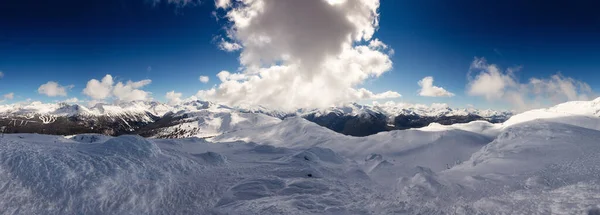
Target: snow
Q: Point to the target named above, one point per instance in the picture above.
(581, 109)
(136, 109)
(479, 127)
(541, 162)
(203, 119)
(89, 138)
(435, 110)
(352, 109)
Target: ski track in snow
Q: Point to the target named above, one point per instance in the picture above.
(539, 162)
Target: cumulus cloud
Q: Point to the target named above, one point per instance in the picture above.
(173, 98)
(494, 84)
(53, 89)
(1, 74)
(106, 88)
(204, 79)
(130, 91)
(427, 89)
(9, 96)
(297, 54)
(490, 82)
(99, 90)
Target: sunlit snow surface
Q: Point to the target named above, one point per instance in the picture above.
(538, 166)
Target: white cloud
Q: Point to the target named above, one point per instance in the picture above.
(204, 79)
(496, 85)
(376, 43)
(1, 74)
(222, 4)
(427, 89)
(298, 54)
(129, 91)
(9, 96)
(99, 90)
(490, 82)
(391, 52)
(558, 88)
(365, 94)
(53, 89)
(173, 98)
(229, 46)
(106, 88)
(227, 76)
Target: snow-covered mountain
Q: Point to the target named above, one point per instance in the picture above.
(363, 120)
(100, 109)
(65, 119)
(538, 162)
(203, 119)
(391, 110)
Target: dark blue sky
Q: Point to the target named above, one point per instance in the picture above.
(72, 42)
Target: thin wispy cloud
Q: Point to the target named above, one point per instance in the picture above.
(9, 96)
(204, 79)
(229, 46)
(72, 100)
(490, 82)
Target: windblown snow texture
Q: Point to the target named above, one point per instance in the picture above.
(539, 162)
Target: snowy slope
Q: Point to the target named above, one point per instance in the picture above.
(205, 119)
(538, 166)
(541, 162)
(480, 127)
(411, 148)
(574, 109)
(577, 113)
(131, 175)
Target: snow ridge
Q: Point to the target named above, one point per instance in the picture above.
(542, 162)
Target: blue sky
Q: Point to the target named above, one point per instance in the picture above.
(71, 42)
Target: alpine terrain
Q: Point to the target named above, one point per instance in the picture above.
(537, 162)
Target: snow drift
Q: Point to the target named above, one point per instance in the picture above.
(540, 162)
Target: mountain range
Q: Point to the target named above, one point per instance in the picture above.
(541, 161)
(206, 119)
